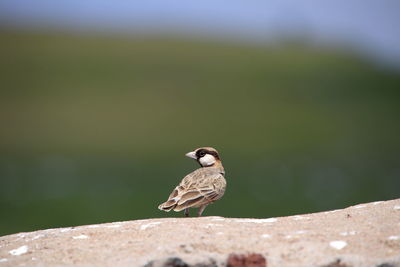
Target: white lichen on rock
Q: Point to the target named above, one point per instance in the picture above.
(360, 206)
(113, 226)
(298, 217)
(37, 236)
(338, 244)
(149, 225)
(66, 229)
(19, 251)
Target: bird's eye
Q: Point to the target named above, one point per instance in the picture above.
(202, 153)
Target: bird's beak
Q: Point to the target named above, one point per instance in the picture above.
(191, 154)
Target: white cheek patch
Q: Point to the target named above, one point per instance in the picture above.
(207, 160)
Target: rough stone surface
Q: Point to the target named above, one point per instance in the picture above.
(243, 260)
(362, 235)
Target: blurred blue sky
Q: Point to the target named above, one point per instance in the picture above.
(368, 26)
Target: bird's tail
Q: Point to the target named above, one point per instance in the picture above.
(168, 206)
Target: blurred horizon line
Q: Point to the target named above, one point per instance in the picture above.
(283, 39)
(363, 27)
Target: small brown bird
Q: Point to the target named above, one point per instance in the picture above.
(201, 187)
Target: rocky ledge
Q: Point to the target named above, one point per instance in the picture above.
(362, 235)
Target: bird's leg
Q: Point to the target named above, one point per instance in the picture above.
(201, 209)
(187, 212)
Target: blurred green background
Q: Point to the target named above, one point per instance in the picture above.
(94, 129)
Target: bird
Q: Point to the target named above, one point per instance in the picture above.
(201, 187)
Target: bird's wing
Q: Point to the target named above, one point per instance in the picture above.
(199, 189)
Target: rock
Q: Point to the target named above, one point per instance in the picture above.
(362, 235)
(250, 260)
(175, 262)
(336, 263)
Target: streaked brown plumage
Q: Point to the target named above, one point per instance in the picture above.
(201, 187)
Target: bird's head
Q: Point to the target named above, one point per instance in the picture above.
(205, 156)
